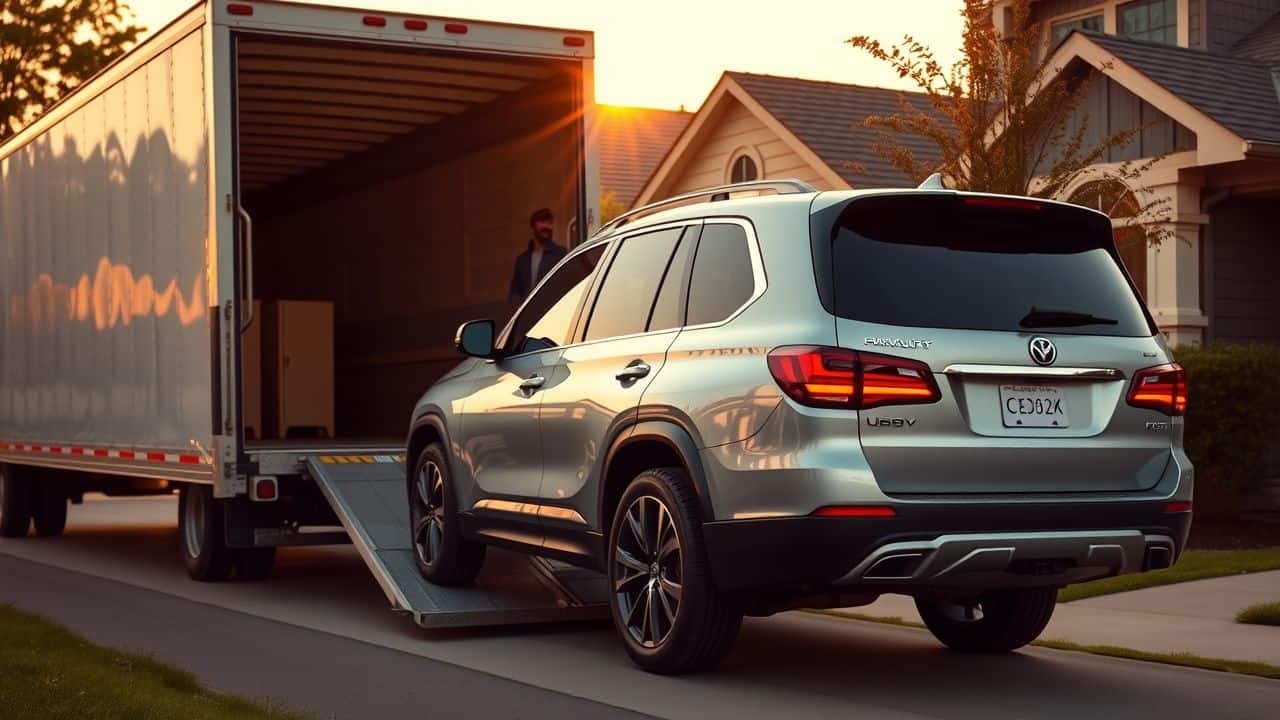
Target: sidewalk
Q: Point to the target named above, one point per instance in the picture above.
(1194, 617)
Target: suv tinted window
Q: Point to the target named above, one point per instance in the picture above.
(546, 319)
(722, 277)
(981, 264)
(668, 307)
(627, 294)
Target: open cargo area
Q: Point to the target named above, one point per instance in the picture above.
(388, 192)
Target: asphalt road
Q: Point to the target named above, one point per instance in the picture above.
(319, 636)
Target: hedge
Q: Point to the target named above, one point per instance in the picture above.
(1233, 419)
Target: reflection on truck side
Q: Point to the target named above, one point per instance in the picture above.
(113, 296)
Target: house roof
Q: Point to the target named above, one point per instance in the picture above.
(632, 141)
(1239, 93)
(828, 118)
(1263, 44)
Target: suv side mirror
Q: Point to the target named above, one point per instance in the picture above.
(475, 338)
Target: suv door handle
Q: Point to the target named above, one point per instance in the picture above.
(533, 382)
(634, 371)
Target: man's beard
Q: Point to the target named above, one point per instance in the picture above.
(543, 235)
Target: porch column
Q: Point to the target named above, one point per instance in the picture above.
(1173, 266)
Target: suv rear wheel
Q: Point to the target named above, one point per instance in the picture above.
(664, 606)
(443, 555)
(997, 621)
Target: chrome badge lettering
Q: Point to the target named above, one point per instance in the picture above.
(896, 422)
(906, 344)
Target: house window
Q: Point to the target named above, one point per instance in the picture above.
(1154, 20)
(1092, 23)
(743, 169)
(1115, 200)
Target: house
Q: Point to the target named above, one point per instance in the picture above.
(1201, 79)
(632, 141)
(761, 127)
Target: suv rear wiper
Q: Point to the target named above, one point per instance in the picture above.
(1038, 318)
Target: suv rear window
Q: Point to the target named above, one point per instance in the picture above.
(981, 263)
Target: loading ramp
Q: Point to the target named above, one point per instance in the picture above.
(367, 493)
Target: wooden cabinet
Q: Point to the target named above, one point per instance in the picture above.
(288, 369)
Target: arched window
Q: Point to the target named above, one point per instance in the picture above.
(743, 169)
(1114, 199)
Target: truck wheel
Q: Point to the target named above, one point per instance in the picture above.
(998, 621)
(15, 502)
(665, 607)
(50, 509)
(202, 535)
(443, 555)
(255, 563)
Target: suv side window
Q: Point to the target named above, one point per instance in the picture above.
(722, 278)
(668, 307)
(548, 317)
(626, 296)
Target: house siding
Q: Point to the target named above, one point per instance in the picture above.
(1243, 292)
(1227, 21)
(737, 127)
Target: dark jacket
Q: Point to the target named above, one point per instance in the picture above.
(520, 285)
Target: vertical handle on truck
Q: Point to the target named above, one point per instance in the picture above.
(246, 255)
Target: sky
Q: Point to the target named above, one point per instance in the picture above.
(669, 53)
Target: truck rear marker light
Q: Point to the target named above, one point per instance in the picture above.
(1163, 388)
(841, 378)
(1003, 203)
(855, 511)
(1177, 506)
(374, 21)
(415, 25)
(239, 9)
(455, 28)
(574, 41)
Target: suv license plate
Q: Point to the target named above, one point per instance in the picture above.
(1039, 406)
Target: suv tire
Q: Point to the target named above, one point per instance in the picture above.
(1009, 619)
(15, 502)
(443, 555)
(656, 560)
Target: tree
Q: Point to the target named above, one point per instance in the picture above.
(1001, 118)
(48, 47)
(610, 206)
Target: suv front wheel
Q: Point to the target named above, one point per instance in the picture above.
(665, 607)
(443, 555)
(996, 621)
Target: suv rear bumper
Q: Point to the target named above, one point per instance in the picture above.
(946, 546)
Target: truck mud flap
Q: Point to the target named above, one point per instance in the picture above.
(368, 495)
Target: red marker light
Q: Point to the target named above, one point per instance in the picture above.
(574, 41)
(455, 28)
(239, 9)
(415, 25)
(374, 21)
(855, 511)
(1177, 506)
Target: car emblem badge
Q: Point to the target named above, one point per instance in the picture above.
(1042, 350)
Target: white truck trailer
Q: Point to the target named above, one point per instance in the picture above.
(232, 260)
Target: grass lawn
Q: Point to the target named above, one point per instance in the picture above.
(1264, 614)
(47, 672)
(1193, 565)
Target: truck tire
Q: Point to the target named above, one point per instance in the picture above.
(201, 534)
(255, 563)
(49, 511)
(15, 502)
(1000, 620)
(665, 607)
(443, 555)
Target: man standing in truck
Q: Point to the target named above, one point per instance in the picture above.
(542, 254)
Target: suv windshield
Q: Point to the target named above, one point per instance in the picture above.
(978, 263)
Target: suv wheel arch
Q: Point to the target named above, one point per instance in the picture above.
(646, 445)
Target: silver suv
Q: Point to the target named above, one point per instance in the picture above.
(741, 405)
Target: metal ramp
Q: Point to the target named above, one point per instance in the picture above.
(367, 493)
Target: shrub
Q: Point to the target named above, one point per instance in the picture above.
(1232, 424)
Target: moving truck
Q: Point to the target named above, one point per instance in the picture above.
(243, 248)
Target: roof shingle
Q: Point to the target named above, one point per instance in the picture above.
(1239, 93)
(828, 118)
(632, 141)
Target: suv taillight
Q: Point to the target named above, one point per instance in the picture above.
(840, 378)
(1163, 388)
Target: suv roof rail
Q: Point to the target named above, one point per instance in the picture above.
(715, 194)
